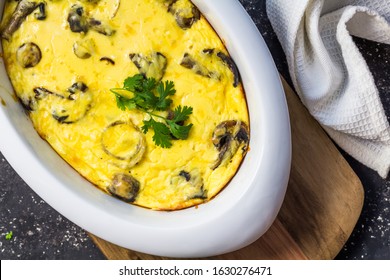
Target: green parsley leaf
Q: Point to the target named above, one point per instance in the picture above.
(181, 114)
(123, 103)
(179, 131)
(133, 83)
(146, 100)
(148, 96)
(9, 235)
(162, 134)
(149, 84)
(165, 90)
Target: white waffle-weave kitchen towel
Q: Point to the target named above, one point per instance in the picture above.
(330, 74)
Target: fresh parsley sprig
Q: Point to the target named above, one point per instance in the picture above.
(149, 96)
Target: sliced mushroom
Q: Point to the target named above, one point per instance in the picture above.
(124, 187)
(185, 175)
(167, 2)
(67, 108)
(206, 60)
(90, 1)
(228, 137)
(232, 66)
(186, 14)
(41, 93)
(22, 10)
(189, 184)
(208, 51)
(76, 88)
(117, 4)
(151, 66)
(62, 116)
(41, 14)
(28, 55)
(100, 27)
(77, 21)
(29, 103)
(191, 63)
(67, 111)
(84, 48)
(124, 142)
(108, 60)
(202, 194)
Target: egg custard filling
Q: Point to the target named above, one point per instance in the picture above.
(140, 97)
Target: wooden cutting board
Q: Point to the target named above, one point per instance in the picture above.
(322, 204)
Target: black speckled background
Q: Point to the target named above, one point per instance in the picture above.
(39, 232)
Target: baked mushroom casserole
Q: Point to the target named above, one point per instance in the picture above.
(140, 97)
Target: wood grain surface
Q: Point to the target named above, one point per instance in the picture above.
(322, 205)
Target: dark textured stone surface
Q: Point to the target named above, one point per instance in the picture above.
(371, 237)
(39, 232)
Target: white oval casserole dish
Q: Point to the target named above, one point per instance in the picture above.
(235, 218)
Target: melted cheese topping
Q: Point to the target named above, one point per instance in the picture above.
(89, 131)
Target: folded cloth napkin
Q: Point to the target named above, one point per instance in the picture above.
(331, 76)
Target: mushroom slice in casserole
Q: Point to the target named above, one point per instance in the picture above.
(124, 187)
(185, 13)
(151, 66)
(19, 14)
(140, 97)
(65, 108)
(84, 48)
(228, 137)
(124, 142)
(79, 22)
(28, 55)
